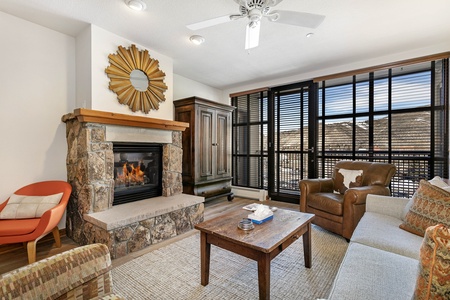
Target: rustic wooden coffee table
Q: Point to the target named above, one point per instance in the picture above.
(262, 244)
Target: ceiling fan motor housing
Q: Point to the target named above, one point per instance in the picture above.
(247, 6)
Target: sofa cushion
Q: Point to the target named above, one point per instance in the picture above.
(373, 274)
(433, 281)
(346, 179)
(383, 232)
(431, 206)
(26, 207)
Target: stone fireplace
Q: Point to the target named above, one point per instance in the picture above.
(125, 228)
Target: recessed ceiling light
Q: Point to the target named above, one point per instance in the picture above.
(309, 35)
(197, 39)
(137, 5)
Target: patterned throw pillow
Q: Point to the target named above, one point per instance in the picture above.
(433, 281)
(25, 207)
(431, 206)
(345, 179)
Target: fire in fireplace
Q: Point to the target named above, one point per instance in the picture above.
(137, 171)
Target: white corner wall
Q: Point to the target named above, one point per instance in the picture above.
(94, 93)
(185, 88)
(37, 76)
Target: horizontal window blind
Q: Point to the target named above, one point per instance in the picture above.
(387, 116)
(249, 148)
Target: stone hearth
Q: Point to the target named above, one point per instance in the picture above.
(130, 227)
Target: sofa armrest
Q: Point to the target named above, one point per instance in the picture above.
(387, 205)
(84, 271)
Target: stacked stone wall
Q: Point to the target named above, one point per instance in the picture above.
(90, 171)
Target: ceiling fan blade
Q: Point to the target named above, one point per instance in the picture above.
(209, 23)
(272, 3)
(252, 35)
(298, 18)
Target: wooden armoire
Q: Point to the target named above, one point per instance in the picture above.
(206, 147)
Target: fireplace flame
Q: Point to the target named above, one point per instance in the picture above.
(131, 175)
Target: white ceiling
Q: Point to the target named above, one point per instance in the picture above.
(353, 30)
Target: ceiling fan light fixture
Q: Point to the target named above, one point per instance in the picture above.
(197, 39)
(137, 5)
(252, 35)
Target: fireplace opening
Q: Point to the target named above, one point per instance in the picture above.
(137, 172)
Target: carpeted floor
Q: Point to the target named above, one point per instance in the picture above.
(173, 272)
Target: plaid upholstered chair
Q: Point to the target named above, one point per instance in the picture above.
(80, 273)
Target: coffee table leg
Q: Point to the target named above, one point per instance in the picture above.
(264, 276)
(307, 246)
(205, 252)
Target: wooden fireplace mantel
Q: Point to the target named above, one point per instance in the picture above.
(102, 117)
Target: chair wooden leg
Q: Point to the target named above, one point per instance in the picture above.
(56, 236)
(31, 249)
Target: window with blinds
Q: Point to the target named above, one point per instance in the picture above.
(395, 115)
(249, 147)
(290, 140)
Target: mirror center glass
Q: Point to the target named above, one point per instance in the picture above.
(139, 80)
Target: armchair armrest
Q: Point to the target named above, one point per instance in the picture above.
(318, 185)
(357, 195)
(387, 205)
(2, 205)
(50, 219)
(355, 205)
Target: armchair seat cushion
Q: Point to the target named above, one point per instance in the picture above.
(17, 227)
(329, 202)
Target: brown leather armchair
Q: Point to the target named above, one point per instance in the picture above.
(338, 207)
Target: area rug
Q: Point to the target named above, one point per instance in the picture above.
(173, 272)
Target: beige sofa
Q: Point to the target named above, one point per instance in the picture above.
(382, 260)
(80, 273)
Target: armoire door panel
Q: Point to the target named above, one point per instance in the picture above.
(222, 144)
(206, 142)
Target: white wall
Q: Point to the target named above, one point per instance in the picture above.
(83, 69)
(185, 88)
(93, 47)
(37, 75)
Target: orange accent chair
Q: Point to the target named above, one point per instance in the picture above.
(30, 231)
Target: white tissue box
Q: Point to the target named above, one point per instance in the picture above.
(259, 220)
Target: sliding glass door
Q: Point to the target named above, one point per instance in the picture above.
(291, 139)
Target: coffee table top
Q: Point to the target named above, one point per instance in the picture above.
(264, 237)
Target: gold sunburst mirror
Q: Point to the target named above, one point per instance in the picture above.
(136, 79)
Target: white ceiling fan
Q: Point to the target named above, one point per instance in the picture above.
(255, 10)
